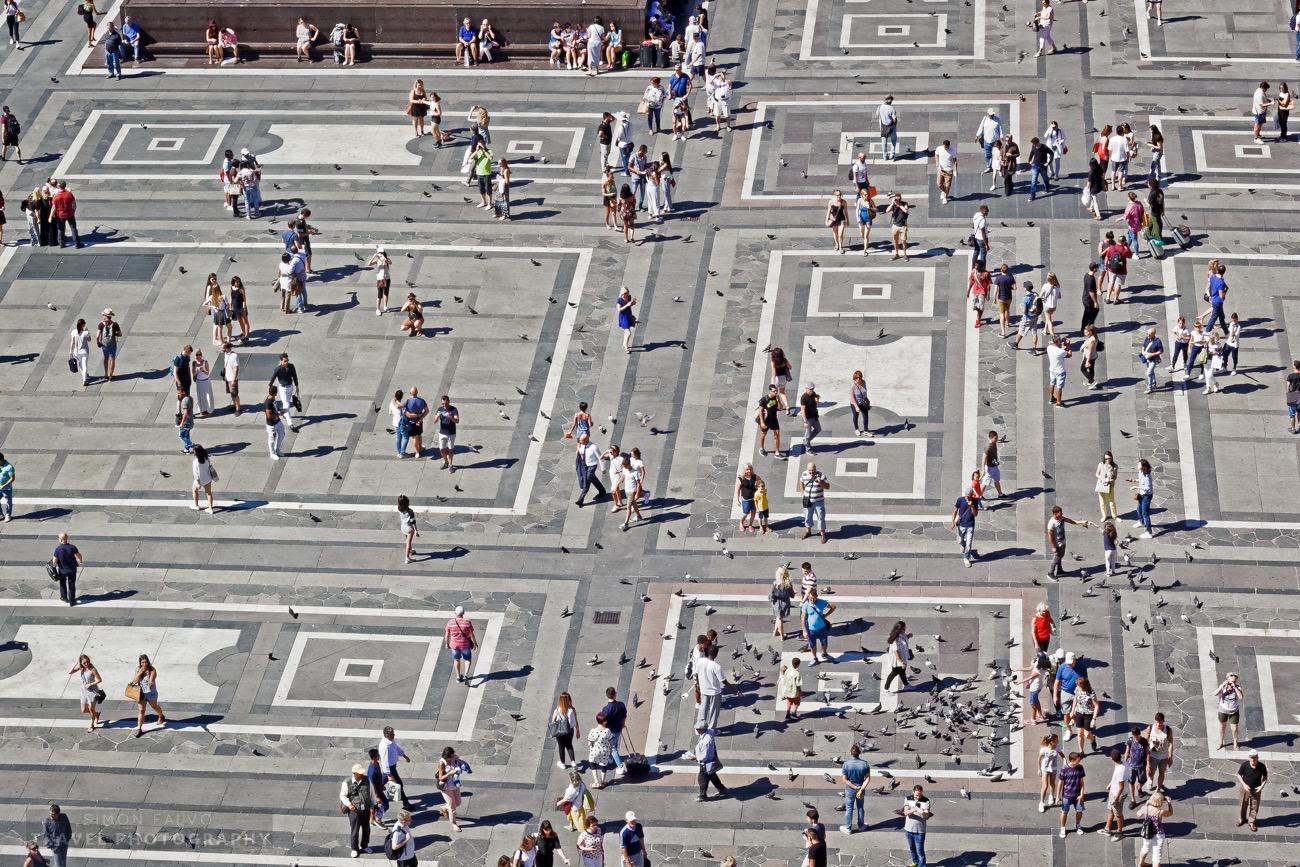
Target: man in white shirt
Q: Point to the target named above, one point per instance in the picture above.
(1259, 104)
(710, 681)
(1117, 147)
(979, 225)
(389, 753)
(945, 160)
(1057, 352)
(230, 374)
(587, 465)
(888, 116)
(860, 172)
(1115, 796)
(989, 134)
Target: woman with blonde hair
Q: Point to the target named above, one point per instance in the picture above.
(781, 595)
(91, 694)
(578, 800)
(145, 681)
(1107, 473)
(564, 728)
(219, 309)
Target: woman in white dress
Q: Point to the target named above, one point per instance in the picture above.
(90, 692)
(202, 383)
(79, 349)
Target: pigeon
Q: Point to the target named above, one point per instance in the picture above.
(292, 613)
(164, 474)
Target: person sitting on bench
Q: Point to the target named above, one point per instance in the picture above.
(467, 43)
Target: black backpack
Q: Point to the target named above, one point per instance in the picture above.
(1148, 828)
(12, 126)
(389, 852)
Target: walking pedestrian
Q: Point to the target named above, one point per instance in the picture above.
(979, 237)
(988, 134)
(780, 595)
(1115, 798)
(945, 162)
(8, 474)
(1073, 787)
(899, 653)
(1084, 711)
(888, 117)
(185, 421)
(1044, 626)
(978, 285)
(866, 212)
(564, 727)
(65, 561)
(1154, 811)
(576, 802)
(898, 210)
(1252, 777)
(814, 486)
(145, 682)
(632, 476)
(710, 683)
(1057, 352)
(1040, 157)
(626, 317)
(356, 802)
(56, 833)
(1010, 163)
(631, 841)
(1056, 539)
(591, 844)
(410, 530)
(274, 424)
(1043, 20)
(1004, 287)
(767, 417)
(860, 404)
(1160, 751)
(1152, 350)
(855, 775)
(460, 639)
(79, 350)
(448, 418)
(1050, 758)
(790, 689)
(1094, 186)
(107, 335)
(963, 522)
(1135, 764)
(91, 694)
(1143, 488)
(1156, 145)
(450, 769)
(837, 217)
(706, 756)
(652, 104)
(601, 743)
(404, 840)
(587, 465)
(549, 845)
(204, 475)
(285, 381)
(1091, 299)
(814, 615)
(390, 752)
(1229, 695)
(1054, 139)
(1293, 396)
(812, 425)
(916, 816)
(1089, 349)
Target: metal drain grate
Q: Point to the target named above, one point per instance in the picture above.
(607, 617)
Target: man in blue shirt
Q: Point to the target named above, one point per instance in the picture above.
(963, 521)
(131, 39)
(680, 86)
(466, 43)
(615, 718)
(414, 410)
(66, 559)
(1217, 290)
(631, 841)
(1067, 675)
(448, 418)
(856, 776)
(7, 475)
(816, 626)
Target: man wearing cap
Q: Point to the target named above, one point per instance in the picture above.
(989, 134)
(1252, 775)
(106, 335)
(356, 801)
(631, 841)
(812, 425)
(461, 641)
(1067, 675)
(706, 756)
(814, 485)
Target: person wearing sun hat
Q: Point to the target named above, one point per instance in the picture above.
(107, 334)
(356, 802)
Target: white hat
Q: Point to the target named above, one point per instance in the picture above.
(460, 609)
(358, 769)
(631, 817)
(809, 386)
(245, 152)
(1060, 653)
(1254, 754)
(379, 249)
(991, 111)
(1069, 658)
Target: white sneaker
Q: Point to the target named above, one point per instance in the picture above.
(1138, 527)
(1146, 536)
(1042, 808)
(1078, 829)
(845, 829)
(1062, 837)
(560, 765)
(378, 312)
(210, 510)
(275, 457)
(992, 188)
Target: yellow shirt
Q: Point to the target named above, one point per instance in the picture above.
(760, 499)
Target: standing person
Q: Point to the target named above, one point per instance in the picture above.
(782, 375)
(1160, 751)
(1115, 797)
(383, 279)
(667, 183)
(860, 173)
(390, 752)
(1094, 186)
(1229, 696)
(631, 841)
(706, 756)
(600, 751)
(417, 106)
(450, 769)
(356, 802)
(10, 128)
(1134, 217)
(837, 217)
(1054, 138)
(790, 689)
(501, 191)
(79, 350)
(285, 381)
(888, 117)
(1143, 488)
(7, 476)
(812, 425)
(860, 404)
(626, 212)
(1156, 144)
(1091, 299)
(1089, 349)
(1056, 539)
(204, 475)
(587, 464)
(409, 425)
(591, 844)
(898, 211)
(899, 652)
(746, 486)
(1285, 102)
(1084, 711)
(1155, 810)
(1117, 146)
(481, 170)
(866, 212)
(1044, 626)
(721, 101)
(90, 688)
(1031, 312)
(1057, 353)
(1073, 787)
(988, 134)
(1107, 473)
(1044, 19)
(916, 813)
(767, 417)
(67, 560)
(1049, 766)
(652, 100)
(410, 530)
(945, 162)
(814, 616)
(963, 522)
(185, 421)
(978, 284)
(1216, 292)
(203, 382)
(1231, 345)
(1259, 105)
(814, 486)
(626, 317)
(1152, 350)
(460, 639)
(1252, 776)
(1135, 763)
(145, 680)
(107, 334)
(1051, 295)
(609, 197)
(1010, 163)
(564, 728)
(855, 775)
(1004, 288)
(596, 37)
(780, 595)
(710, 684)
(1040, 156)
(238, 309)
(815, 852)
(1293, 396)
(56, 833)
(274, 425)
(980, 236)
(448, 418)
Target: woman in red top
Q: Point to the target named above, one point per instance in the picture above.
(1102, 149)
(977, 290)
(1044, 626)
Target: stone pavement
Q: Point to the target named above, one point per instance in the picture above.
(286, 627)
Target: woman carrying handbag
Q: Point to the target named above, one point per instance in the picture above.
(143, 689)
(91, 693)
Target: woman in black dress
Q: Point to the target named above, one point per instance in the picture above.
(417, 106)
(837, 217)
(44, 217)
(548, 844)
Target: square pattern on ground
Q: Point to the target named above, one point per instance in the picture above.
(802, 150)
(1212, 151)
(1267, 661)
(1239, 462)
(493, 327)
(842, 699)
(832, 316)
(894, 29)
(1202, 31)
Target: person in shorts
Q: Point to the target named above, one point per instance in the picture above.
(1072, 780)
(767, 417)
(1160, 750)
(1229, 697)
(1135, 760)
(448, 418)
(1115, 798)
(1293, 396)
(382, 265)
(1031, 311)
(760, 506)
(460, 640)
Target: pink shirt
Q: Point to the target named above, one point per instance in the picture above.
(1133, 215)
(459, 633)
